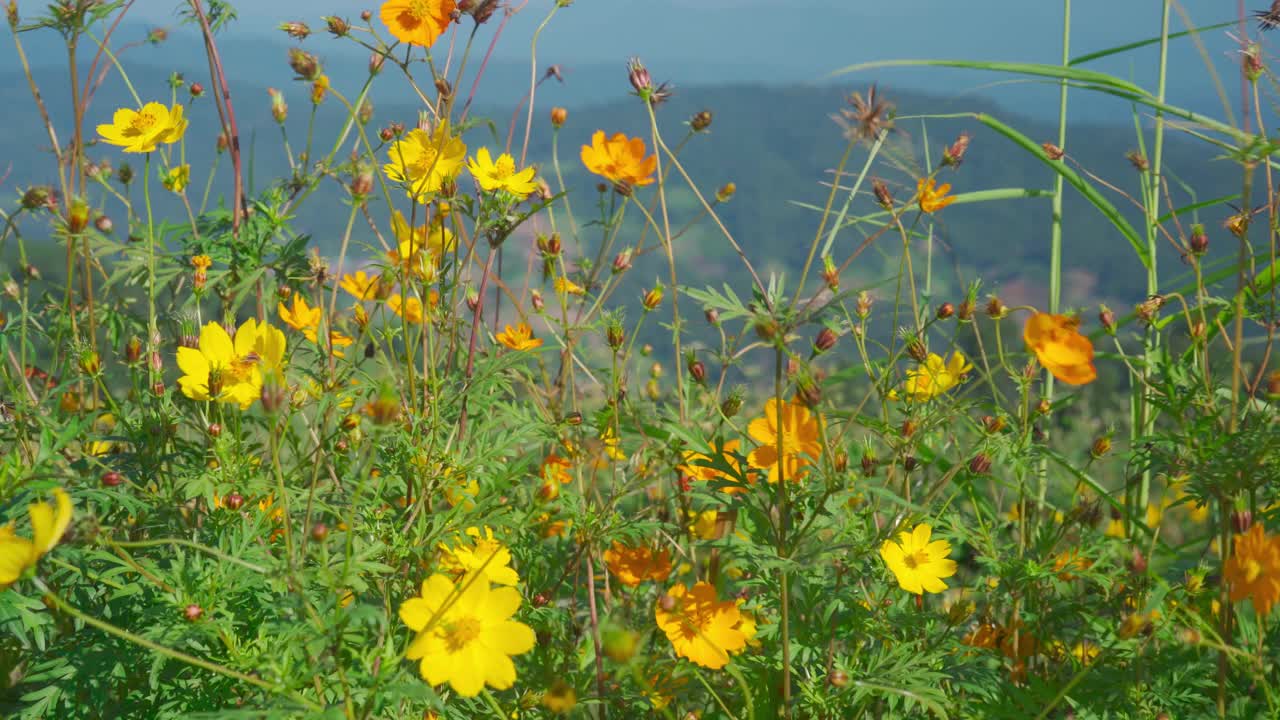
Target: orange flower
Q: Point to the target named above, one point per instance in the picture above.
(799, 439)
(410, 309)
(932, 199)
(1253, 571)
(701, 627)
(619, 159)
(519, 338)
(1060, 347)
(556, 468)
(418, 22)
(634, 565)
(695, 466)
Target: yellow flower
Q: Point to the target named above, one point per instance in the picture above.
(1069, 562)
(103, 425)
(560, 698)
(301, 317)
(701, 627)
(434, 238)
(702, 525)
(634, 565)
(424, 162)
(933, 199)
(410, 309)
(1060, 347)
(48, 525)
(139, 131)
(695, 468)
(481, 553)
(619, 159)
(176, 180)
(800, 440)
(919, 564)
(339, 340)
(1253, 570)
(230, 372)
(319, 89)
(361, 284)
(935, 377)
(555, 468)
(519, 338)
(566, 286)
(465, 634)
(612, 445)
(418, 22)
(501, 175)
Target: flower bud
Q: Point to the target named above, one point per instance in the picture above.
(726, 192)
(548, 491)
(1053, 151)
(103, 224)
(296, 30)
(980, 464)
(953, 155)
(90, 362)
(196, 89)
(916, 350)
(825, 340)
(615, 335)
(279, 108)
(653, 298)
(275, 394)
(1044, 407)
(1108, 320)
(77, 217)
(701, 121)
(337, 26)
(133, 350)
(192, 612)
(868, 462)
(306, 65)
(732, 404)
(946, 310)
(838, 678)
(639, 77)
(862, 307)
(558, 117)
(319, 532)
(698, 371)
(111, 478)
(365, 114)
(1100, 447)
(622, 261)
(713, 316)
(535, 299)
(1138, 161)
(996, 309)
(909, 463)
(830, 274)
(1199, 241)
(1241, 520)
(884, 198)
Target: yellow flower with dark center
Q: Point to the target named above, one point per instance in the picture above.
(176, 180)
(919, 565)
(619, 159)
(465, 634)
(560, 698)
(519, 338)
(48, 525)
(694, 468)
(418, 22)
(361, 284)
(139, 131)
(935, 377)
(933, 197)
(226, 371)
(701, 627)
(1060, 347)
(479, 552)
(1253, 570)
(501, 174)
(633, 565)
(790, 449)
(408, 308)
(301, 317)
(423, 162)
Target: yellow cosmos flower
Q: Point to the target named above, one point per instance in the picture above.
(465, 634)
(420, 250)
(418, 22)
(935, 377)
(1253, 570)
(560, 698)
(612, 445)
(230, 372)
(694, 468)
(102, 425)
(565, 286)
(619, 159)
(919, 564)
(408, 308)
(519, 338)
(301, 317)
(319, 89)
(139, 131)
(933, 197)
(1060, 348)
(701, 627)
(555, 468)
(48, 525)
(176, 180)
(479, 552)
(501, 175)
(633, 565)
(423, 162)
(800, 438)
(702, 525)
(361, 284)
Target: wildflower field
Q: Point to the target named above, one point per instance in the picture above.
(493, 446)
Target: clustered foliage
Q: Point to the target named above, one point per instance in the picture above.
(241, 479)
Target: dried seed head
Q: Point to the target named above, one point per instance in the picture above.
(867, 116)
(1053, 151)
(295, 29)
(1138, 161)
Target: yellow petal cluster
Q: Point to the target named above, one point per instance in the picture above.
(501, 174)
(48, 524)
(422, 162)
(139, 131)
(919, 565)
(230, 372)
(700, 626)
(789, 448)
(619, 159)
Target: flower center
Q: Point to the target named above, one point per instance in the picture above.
(143, 122)
(1252, 570)
(426, 163)
(420, 9)
(916, 559)
(461, 632)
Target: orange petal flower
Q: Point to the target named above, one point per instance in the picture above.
(933, 198)
(634, 565)
(619, 159)
(701, 627)
(519, 338)
(1061, 349)
(418, 22)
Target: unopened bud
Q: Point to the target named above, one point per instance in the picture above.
(881, 191)
(726, 192)
(980, 464)
(1137, 160)
(698, 371)
(622, 261)
(337, 26)
(279, 108)
(862, 308)
(701, 121)
(996, 308)
(1199, 242)
(825, 340)
(103, 224)
(1100, 447)
(732, 404)
(1108, 320)
(192, 612)
(306, 65)
(1242, 520)
(993, 424)
(296, 30)
(111, 478)
(713, 316)
(559, 116)
(653, 298)
(319, 532)
(639, 76)
(946, 310)
(275, 395)
(954, 154)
